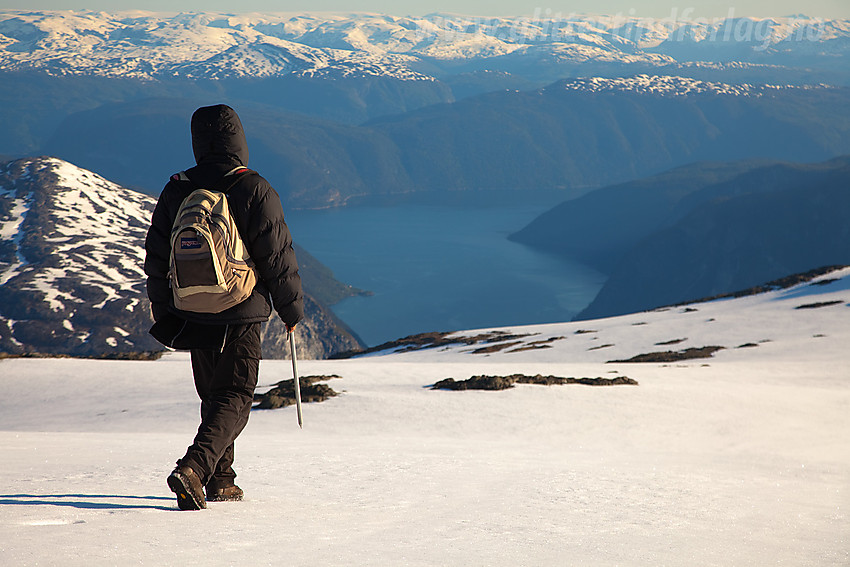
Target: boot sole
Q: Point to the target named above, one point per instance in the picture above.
(179, 485)
(224, 498)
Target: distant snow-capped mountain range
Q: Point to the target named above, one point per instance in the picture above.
(213, 46)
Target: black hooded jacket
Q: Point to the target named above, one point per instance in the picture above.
(218, 141)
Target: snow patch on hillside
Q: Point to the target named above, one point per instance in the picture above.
(671, 86)
(110, 219)
(10, 231)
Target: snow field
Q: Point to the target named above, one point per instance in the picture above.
(737, 459)
(735, 463)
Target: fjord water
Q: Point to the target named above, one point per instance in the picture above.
(442, 267)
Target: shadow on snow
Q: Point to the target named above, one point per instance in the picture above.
(84, 501)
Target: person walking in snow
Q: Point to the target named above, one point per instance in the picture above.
(225, 346)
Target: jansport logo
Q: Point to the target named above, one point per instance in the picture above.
(189, 243)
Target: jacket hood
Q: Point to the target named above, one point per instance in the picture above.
(217, 135)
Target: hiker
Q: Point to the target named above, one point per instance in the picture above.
(225, 346)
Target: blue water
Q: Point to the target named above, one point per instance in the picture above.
(441, 268)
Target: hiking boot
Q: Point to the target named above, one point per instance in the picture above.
(225, 493)
(185, 483)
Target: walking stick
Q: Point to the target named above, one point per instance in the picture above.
(295, 379)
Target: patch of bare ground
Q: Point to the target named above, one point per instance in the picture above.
(505, 382)
(529, 347)
(537, 345)
(435, 339)
(820, 304)
(673, 356)
(671, 342)
(495, 348)
(283, 394)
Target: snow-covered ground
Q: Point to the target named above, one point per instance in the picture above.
(739, 459)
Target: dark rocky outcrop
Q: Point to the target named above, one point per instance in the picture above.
(673, 356)
(505, 382)
(283, 394)
(819, 304)
(319, 335)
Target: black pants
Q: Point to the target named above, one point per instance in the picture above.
(225, 381)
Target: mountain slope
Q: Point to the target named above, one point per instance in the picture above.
(71, 277)
(633, 210)
(310, 162)
(71, 266)
(569, 135)
(759, 227)
(572, 134)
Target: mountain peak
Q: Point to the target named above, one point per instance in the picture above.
(72, 276)
(71, 269)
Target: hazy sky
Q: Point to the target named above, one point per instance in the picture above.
(656, 8)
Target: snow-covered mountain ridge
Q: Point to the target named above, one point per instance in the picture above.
(151, 45)
(71, 268)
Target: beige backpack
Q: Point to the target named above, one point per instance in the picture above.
(210, 268)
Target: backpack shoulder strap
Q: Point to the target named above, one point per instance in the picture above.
(232, 177)
(224, 184)
(239, 169)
